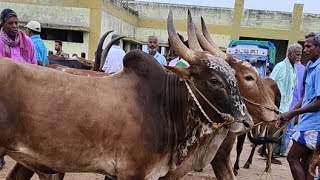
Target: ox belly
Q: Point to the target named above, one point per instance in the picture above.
(101, 140)
(40, 163)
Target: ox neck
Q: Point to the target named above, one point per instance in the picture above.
(185, 120)
(176, 105)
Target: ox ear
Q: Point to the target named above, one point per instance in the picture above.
(230, 59)
(183, 73)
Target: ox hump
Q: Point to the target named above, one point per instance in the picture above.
(142, 64)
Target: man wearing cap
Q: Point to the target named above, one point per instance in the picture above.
(33, 31)
(14, 43)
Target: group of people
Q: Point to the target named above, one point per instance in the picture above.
(114, 60)
(299, 85)
(300, 105)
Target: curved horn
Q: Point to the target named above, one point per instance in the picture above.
(106, 50)
(97, 58)
(220, 53)
(206, 34)
(207, 46)
(192, 38)
(182, 50)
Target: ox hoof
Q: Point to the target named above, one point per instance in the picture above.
(276, 161)
(235, 172)
(246, 166)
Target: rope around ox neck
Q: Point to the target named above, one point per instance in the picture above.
(227, 117)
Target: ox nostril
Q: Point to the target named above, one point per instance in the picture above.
(247, 125)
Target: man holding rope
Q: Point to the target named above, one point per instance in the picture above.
(306, 136)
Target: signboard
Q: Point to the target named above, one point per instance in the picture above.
(248, 49)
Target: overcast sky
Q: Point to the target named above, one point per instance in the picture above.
(310, 6)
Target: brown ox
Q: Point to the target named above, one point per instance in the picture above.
(259, 95)
(20, 172)
(142, 124)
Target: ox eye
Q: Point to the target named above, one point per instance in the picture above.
(249, 78)
(214, 82)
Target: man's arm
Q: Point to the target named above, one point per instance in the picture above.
(312, 107)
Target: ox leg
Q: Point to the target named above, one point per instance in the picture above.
(20, 172)
(249, 161)
(268, 164)
(240, 142)
(221, 163)
(262, 151)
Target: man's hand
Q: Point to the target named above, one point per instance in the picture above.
(282, 119)
(314, 163)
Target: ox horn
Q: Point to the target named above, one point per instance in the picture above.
(97, 60)
(192, 38)
(207, 46)
(106, 50)
(182, 50)
(218, 51)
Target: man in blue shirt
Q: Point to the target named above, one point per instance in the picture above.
(152, 47)
(306, 136)
(33, 31)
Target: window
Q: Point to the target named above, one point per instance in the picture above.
(63, 35)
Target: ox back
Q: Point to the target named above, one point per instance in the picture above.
(70, 63)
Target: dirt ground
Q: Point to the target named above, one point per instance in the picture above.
(279, 172)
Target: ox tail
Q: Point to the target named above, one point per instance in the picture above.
(262, 140)
(99, 51)
(106, 51)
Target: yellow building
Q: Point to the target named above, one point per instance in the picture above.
(80, 23)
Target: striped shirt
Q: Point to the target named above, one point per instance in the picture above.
(41, 50)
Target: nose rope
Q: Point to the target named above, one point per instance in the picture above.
(228, 119)
(276, 110)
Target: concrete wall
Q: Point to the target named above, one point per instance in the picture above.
(109, 22)
(53, 15)
(147, 10)
(266, 19)
(153, 17)
(310, 22)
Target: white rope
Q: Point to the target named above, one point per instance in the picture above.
(197, 102)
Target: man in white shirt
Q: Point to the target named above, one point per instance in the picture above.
(152, 47)
(114, 60)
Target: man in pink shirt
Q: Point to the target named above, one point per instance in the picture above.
(14, 43)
